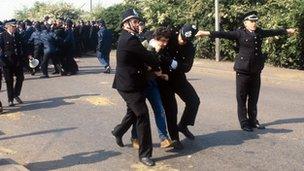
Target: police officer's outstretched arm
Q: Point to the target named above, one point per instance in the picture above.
(231, 35)
(277, 32)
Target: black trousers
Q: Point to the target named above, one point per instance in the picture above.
(188, 95)
(45, 63)
(137, 112)
(38, 54)
(9, 73)
(247, 94)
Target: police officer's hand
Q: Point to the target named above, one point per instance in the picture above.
(291, 31)
(173, 64)
(202, 33)
(30, 57)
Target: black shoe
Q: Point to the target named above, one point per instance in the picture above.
(11, 103)
(108, 70)
(258, 126)
(186, 132)
(147, 161)
(118, 140)
(247, 128)
(44, 76)
(177, 145)
(18, 100)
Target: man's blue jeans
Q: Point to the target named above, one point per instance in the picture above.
(103, 58)
(153, 95)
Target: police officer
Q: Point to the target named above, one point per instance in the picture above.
(248, 65)
(130, 81)
(181, 52)
(59, 59)
(11, 60)
(69, 64)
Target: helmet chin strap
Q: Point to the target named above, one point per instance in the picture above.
(132, 28)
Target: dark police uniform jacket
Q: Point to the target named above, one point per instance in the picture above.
(11, 49)
(132, 59)
(183, 54)
(250, 59)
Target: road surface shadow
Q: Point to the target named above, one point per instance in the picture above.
(285, 121)
(220, 138)
(94, 71)
(52, 131)
(72, 160)
(2, 133)
(44, 104)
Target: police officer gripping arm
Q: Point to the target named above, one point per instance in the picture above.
(248, 65)
(130, 81)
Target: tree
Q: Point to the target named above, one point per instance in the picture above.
(56, 10)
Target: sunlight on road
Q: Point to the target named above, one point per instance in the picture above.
(12, 116)
(94, 100)
(6, 151)
(99, 101)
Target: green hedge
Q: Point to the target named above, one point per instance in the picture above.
(282, 51)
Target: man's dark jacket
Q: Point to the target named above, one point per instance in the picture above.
(11, 49)
(132, 59)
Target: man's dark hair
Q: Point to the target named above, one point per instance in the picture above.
(162, 32)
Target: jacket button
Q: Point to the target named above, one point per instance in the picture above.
(256, 42)
(242, 58)
(255, 37)
(256, 54)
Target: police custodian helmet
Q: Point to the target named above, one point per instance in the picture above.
(129, 14)
(188, 31)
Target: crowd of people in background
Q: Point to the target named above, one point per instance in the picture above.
(57, 40)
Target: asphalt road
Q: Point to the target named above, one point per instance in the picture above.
(65, 124)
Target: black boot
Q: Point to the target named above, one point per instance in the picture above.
(147, 161)
(186, 132)
(118, 140)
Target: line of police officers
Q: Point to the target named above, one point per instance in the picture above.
(130, 78)
(42, 41)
